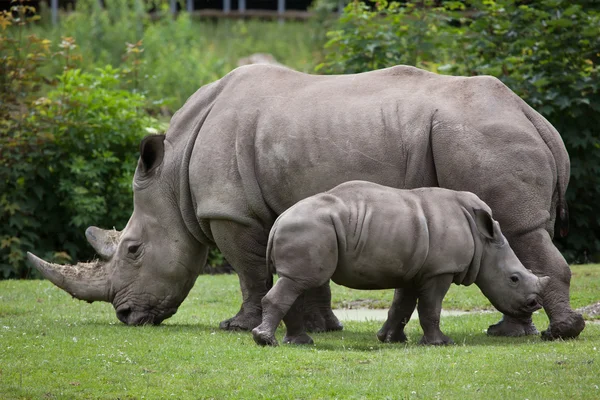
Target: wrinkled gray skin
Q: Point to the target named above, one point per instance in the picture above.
(250, 145)
(367, 236)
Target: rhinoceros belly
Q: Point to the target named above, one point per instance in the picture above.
(386, 245)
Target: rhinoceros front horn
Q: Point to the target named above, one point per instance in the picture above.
(103, 241)
(85, 281)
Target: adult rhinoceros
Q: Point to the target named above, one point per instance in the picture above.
(248, 146)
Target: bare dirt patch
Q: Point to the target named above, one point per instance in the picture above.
(590, 312)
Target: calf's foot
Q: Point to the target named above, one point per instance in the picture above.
(318, 316)
(512, 327)
(264, 337)
(318, 321)
(568, 327)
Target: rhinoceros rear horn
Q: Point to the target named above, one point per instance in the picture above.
(85, 281)
(103, 241)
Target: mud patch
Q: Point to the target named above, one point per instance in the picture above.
(365, 303)
(590, 312)
(369, 314)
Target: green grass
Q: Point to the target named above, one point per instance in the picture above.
(53, 347)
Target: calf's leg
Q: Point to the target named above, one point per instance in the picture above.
(429, 306)
(318, 316)
(399, 314)
(275, 306)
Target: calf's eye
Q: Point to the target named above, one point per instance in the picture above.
(514, 279)
(133, 248)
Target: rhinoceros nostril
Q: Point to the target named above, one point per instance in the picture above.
(532, 303)
(123, 314)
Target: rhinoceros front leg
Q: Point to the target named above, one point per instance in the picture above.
(245, 248)
(399, 314)
(429, 306)
(537, 252)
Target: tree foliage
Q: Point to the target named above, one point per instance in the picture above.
(547, 51)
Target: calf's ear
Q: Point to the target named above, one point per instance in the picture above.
(484, 223)
(152, 150)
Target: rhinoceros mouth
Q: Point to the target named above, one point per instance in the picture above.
(533, 304)
(129, 316)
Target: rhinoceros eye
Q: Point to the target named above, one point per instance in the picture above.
(514, 279)
(133, 248)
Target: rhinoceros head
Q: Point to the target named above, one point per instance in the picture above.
(147, 269)
(510, 287)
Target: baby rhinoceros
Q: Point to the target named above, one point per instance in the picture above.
(367, 236)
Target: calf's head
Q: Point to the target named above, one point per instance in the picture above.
(147, 269)
(510, 287)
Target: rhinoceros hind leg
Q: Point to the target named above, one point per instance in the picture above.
(399, 314)
(567, 328)
(318, 316)
(512, 327)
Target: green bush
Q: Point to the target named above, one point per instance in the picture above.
(67, 165)
(547, 51)
(368, 38)
(67, 148)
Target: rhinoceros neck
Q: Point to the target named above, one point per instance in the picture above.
(469, 275)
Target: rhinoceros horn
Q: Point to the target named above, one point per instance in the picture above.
(85, 281)
(103, 241)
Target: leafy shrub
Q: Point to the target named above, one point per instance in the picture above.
(368, 38)
(67, 157)
(68, 165)
(546, 51)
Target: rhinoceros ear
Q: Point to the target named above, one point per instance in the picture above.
(484, 223)
(152, 150)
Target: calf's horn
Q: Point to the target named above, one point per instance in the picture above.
(84, 281)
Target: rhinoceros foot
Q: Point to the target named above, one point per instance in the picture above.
(564, 328)
(303, 338)
(389, 335)
(318, 321)
(512, 327)
(438, 340)
(241, 322)
(264, 337)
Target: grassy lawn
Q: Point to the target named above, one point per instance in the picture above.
(54, 347)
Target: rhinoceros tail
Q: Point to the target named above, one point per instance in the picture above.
(561, 158)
